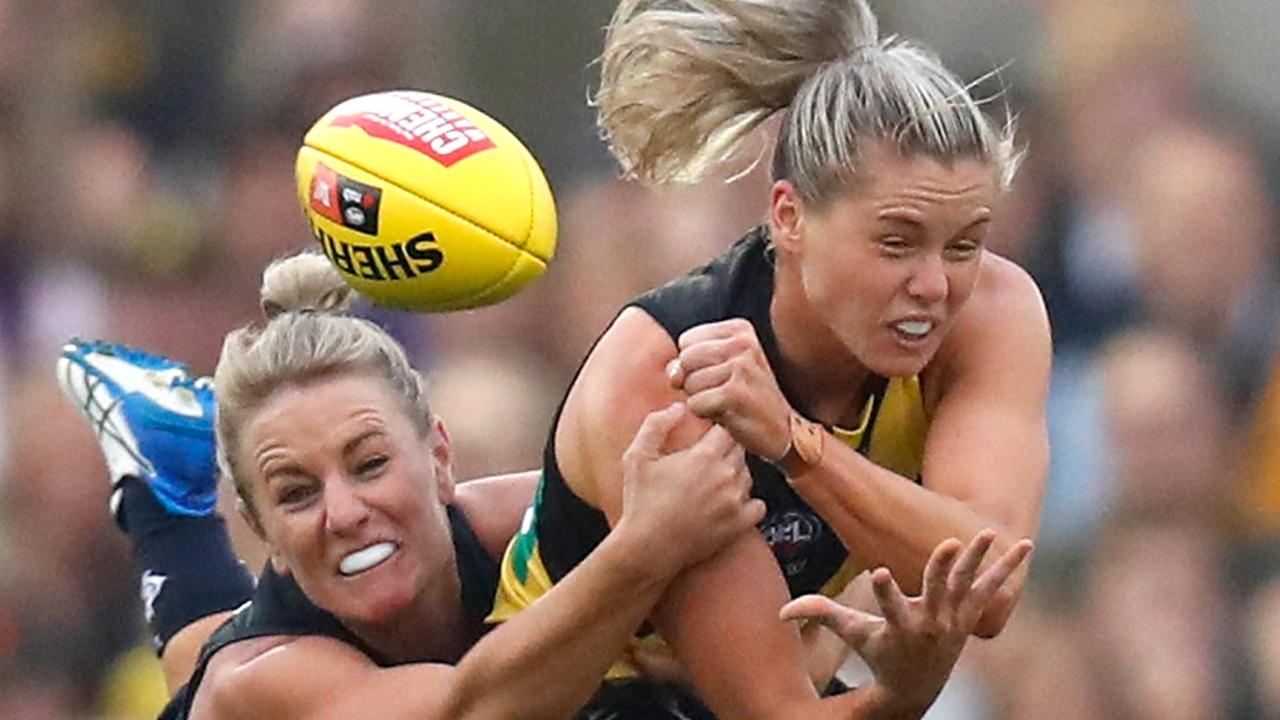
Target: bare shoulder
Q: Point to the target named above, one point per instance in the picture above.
(277, 676)
(622, 380)
(494, 505)
(1006, 289)
(634, 348)
(1005, 318)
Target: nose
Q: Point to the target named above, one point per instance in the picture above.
(928, 282)
(344, 509)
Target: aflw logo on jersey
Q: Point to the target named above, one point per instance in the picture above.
(790, 535)
(421, 122)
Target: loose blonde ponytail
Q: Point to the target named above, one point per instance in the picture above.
(683, 82)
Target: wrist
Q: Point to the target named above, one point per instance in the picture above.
(885, 704)
(631, 553)
(805, 446)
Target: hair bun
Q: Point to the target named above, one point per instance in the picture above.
(305, 282)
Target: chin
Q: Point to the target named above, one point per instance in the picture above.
(897, 368)
(898, 364)
(378, 599)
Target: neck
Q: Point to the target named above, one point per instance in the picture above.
(817, 369)
(432, 628)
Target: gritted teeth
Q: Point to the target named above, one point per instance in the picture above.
(918, 328)
(366, 558)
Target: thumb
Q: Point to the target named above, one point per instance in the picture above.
(854, 626)
(653, 432)
(675, 374)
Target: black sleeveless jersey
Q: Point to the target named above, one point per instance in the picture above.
(279, 607)
(737, 284)
(560, 529)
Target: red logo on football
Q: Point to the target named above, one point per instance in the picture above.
(324, 193)
(418, 121)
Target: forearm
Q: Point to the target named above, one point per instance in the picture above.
(548, 660)
(887, 520)
(720, 618)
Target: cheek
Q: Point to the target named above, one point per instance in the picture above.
(838, 272)
(412, 501)
(960, 282)
(852, 295)
(292, 540)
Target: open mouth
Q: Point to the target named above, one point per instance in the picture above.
(366, 558)
(912, 330)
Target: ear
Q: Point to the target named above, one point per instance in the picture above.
(442, 454)
(250, 519)
(786, 216)
(277, 560)
(278, 563)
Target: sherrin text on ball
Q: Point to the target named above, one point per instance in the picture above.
(425, 203)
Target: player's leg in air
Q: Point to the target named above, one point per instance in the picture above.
(154, 423)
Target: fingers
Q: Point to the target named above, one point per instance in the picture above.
(990, 582)
(675, 374)
(653, 432)
(893, 604)
(714, 331)
(706, 378)
(717, 442)
(936, 571)
(966, 567)
(854, 626)
(710, 347)
(813, 607)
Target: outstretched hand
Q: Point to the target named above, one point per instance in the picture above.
(913, 648)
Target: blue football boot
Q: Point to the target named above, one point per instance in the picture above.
(153, 421)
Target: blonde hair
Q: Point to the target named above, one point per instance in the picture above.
(306, 337)
(683, 82)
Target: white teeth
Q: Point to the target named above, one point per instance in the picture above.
(918, 328)
(362, 560)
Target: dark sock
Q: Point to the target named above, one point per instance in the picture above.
(188, 567)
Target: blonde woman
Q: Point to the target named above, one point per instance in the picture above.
(885, 374)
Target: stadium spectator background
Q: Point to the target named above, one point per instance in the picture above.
(146, 176)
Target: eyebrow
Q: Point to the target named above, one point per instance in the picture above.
(276, 473)
(909, 216)
(355, 442)
(903, 217)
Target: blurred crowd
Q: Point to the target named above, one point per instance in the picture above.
(146, 178)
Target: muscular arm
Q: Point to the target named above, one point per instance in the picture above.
(544, 663)
(719, 616)
(548, 660)
(986, 456)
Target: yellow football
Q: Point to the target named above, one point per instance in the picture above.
(423, 202)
